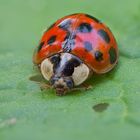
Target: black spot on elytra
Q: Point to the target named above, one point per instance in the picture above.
(101, 107)
(65, 25)
(104, 35)
(40, 46)
(95, 19)
(87, 46)
(84, 28)
(98, 56)
(51, 40)
(113, 55)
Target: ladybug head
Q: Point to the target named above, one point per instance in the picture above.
(61, 84)
(64, 71)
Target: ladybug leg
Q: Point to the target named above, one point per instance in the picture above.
(60, 94)
(83, 87)
(86, 86)
(44, 86)
(40, 80)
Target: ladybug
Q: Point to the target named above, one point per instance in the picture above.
(72, 49)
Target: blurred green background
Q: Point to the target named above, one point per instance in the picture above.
(27, 113)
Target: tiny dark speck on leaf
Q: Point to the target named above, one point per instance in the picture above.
(100, 107)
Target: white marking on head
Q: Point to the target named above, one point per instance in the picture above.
(47, 69)
(60, 82)
(80, 74)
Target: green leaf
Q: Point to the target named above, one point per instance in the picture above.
(110, 110)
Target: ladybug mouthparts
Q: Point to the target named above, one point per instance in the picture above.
(61, 91)
(61, 84)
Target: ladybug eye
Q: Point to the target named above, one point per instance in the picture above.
(80, 74)
(47, 69)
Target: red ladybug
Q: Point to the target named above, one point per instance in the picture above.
(72, 49)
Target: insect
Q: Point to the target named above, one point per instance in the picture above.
(72, 49)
